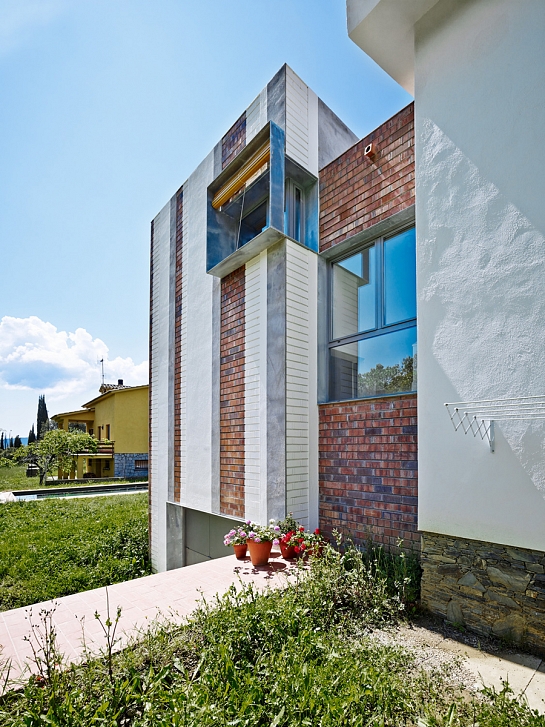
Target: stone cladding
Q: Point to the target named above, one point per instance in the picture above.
(368, 469)
(491, 589)
(234, 141)
(178, 348)
(124, 464)
(357, 191)
(232, 361)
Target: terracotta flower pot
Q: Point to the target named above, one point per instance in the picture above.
(259, 552)
(288, 551)
(240, 551)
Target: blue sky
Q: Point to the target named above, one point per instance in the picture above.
(106, 106)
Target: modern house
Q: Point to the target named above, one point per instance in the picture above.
(118, 418)
(477, 72)
(283, 331)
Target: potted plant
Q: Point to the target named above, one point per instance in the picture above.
(237, 537)
(287, 544)
(261, 538)
(307, 543)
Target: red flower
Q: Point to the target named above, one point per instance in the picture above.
(317, 531)
(301, 529)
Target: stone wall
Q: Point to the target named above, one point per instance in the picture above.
(492, 589)
(124, 465)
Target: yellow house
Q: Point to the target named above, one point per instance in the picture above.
(118, 418)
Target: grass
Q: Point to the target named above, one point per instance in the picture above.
(14, 478)
(53, 548)
(301, 657)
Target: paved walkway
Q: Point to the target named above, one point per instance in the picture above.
(176, 593)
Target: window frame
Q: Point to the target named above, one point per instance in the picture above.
(381, 328)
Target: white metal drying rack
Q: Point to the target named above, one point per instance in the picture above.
(478, 417)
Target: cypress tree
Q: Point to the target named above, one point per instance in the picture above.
(2, 441)
(42, 417)
(11, 442)
(17, 442)
(31, 435)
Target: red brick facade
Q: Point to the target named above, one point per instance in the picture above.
(234, 141)
(357, 191)
(368, 448)
(232, 359)
(178, 348)
(368, 469)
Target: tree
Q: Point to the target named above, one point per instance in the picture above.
(31, 435)
(42, 418)
(17, 442)
(2, 441)
(57, 448)
(387, 379)
(11, 442)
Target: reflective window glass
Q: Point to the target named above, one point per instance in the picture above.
(400, 278)
(354, 294)
(384, 364)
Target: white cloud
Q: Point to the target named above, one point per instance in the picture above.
(20, 17)
(35, 356)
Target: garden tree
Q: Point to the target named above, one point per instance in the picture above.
(17, 442)
(387, 379)
(57, 448)
(11, 442)
(31, 435)
(2, 441)
(42, 418)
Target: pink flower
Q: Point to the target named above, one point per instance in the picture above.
(251, 534)
(243, 534)
(257, 539)
(248, 522)
(276, 528)
(275, 541)
(232, 532)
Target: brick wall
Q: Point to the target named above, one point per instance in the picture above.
(178, 347)
(234, 141)
(368, 469)
(357, 191)
(232, 359)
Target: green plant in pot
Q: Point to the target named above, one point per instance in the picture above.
(261, 538)
(238, 538)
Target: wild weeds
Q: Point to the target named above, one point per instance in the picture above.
(296, 657)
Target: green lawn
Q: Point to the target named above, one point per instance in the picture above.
(14, 478)
(301, 657)
(53, 548)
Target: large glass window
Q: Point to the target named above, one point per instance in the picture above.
(373, 320)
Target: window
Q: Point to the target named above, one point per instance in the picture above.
(107, 431)
(293, 211)
(373, 320)
(140, 464)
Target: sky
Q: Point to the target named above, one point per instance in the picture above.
(106, 107)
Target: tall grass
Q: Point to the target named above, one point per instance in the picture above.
(300, 657)
(53, 548)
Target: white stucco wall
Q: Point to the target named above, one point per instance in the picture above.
(480, 120)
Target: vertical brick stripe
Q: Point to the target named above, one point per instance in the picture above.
(232, 360)
(234, 141)
(149, 390)
(357, 191)
(178, 348)
(368, 469)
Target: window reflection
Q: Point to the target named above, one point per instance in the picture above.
(400, 278)
(354, 294)
(383, 364)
